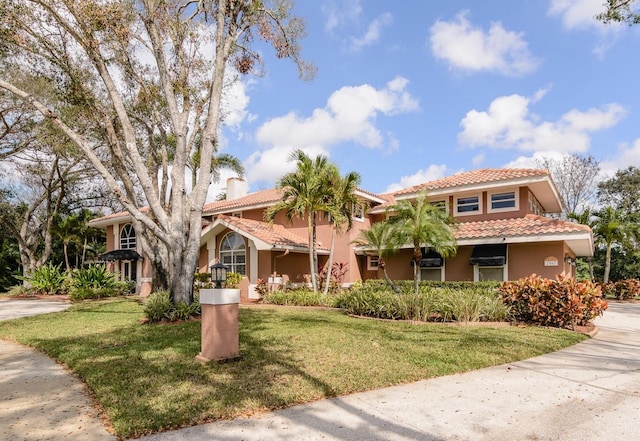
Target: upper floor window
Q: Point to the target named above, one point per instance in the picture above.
(357, 212)
(505, 201)
(127, 237)
(233, 253)
(440, 204)
(468, 205)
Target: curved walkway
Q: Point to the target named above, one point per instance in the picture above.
(39, 399)
(590, 391)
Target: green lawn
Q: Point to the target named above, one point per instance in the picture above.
(147, 380)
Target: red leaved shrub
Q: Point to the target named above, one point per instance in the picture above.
(626, 289)
(562, 303)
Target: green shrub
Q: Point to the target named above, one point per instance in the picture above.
(299, 297)
(233, 280)
(159, 307)
(202, 277)
(93, 276)
(476, 302)
(562, 303)
(47, 279)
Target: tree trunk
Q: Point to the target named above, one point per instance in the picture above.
(311, 234)
(330, 263)
(607, 263)
(65, 249)
(392, 285)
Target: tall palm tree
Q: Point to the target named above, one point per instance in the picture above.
(610, 228)
(342, 203)
(305, 191)
(423, 225)
(586, 217)
(381, 237)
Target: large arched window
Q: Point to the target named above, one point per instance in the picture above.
(127, 237)
(233, 254)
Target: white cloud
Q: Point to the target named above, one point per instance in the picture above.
(577, 14)
(235, 101)
(478, 160)
(535, 159)
(340, 14)
(271, 164)
(373, 32)
(627, 155)
(349, 116)
(471, 49)
(509, 124)
(431, 173)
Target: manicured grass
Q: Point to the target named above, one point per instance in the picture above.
(147, 379)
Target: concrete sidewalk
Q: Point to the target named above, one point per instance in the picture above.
(39, 399)
(590, 391)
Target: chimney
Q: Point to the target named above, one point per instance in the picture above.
(236, 188)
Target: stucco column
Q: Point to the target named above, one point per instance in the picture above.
(220, 329)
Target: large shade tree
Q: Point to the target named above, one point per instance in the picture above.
(306, 192)
(423, 225)
(576, 177)
(137, 87)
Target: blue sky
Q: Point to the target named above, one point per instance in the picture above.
(416, 90)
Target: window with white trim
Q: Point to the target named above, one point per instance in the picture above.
(357, 212)
(490, 273)
(373, 263)
(435, 273)
(503, 201)
(467, 205)
(127, 237)
(233, 253)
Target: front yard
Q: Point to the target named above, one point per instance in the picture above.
(146, 378)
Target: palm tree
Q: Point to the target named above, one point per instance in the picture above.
(610, 228)
(585, 218)
(424, 225)
(381, 237)
(342, 203)
(305, 191)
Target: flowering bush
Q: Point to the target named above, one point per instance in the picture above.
(562, 303)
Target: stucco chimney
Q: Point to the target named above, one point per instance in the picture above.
(236, 188)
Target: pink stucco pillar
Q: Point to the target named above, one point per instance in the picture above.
(220, 330)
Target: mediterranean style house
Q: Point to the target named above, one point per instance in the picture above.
(502, 234)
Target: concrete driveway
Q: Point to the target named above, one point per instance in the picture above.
(15, 308)
(590, 391)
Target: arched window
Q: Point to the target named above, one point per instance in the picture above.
(127, 237)
(233, 253)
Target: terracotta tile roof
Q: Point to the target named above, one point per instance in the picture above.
(273, 234)
(257, 199)
(530, 225)
(482, 176)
